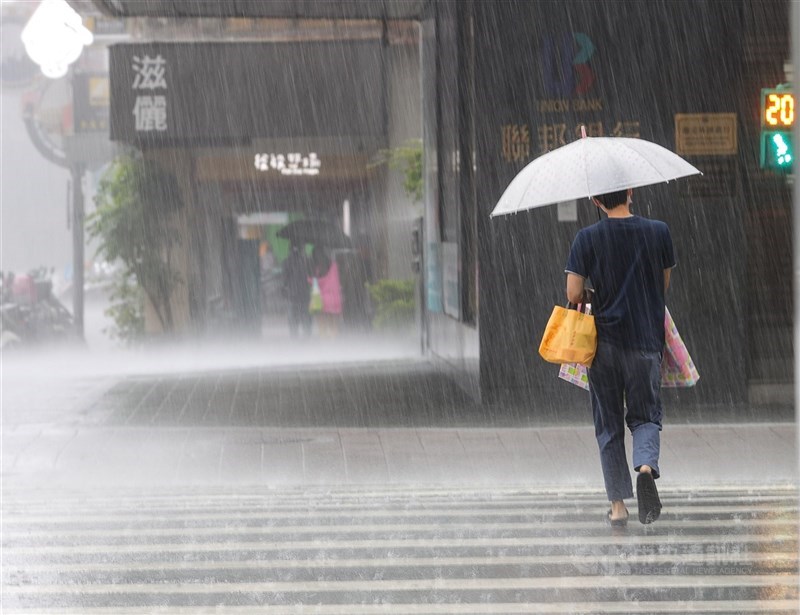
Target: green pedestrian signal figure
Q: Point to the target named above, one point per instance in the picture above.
(782, 150)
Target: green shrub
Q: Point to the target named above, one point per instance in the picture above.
(126, 309)
(407, 159)
(394, 303)
(135, 201)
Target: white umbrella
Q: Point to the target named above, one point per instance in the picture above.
(589, 167)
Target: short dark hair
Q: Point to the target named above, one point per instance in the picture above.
(611, 199)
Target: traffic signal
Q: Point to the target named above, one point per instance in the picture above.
(777, 121)
(777, 151)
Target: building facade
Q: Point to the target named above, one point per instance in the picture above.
(501, 83)
(506, 82)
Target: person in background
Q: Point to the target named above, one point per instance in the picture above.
(266, 257)
(629, 260)
(326, 271)
(297, 290)
(268, 278)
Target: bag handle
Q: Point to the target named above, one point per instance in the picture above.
(580, 307)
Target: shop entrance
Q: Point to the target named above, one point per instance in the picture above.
(350, 264)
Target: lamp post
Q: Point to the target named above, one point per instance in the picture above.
(77, 171)
(54, 38)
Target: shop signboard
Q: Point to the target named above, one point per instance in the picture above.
(225, 93)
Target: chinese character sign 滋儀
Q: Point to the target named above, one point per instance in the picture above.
(150, 110)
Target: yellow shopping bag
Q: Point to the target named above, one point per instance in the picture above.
(570, 337)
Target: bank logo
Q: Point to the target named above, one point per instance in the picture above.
(566, 65)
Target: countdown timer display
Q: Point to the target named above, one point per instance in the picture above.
(777, 109)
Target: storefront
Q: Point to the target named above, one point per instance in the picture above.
(260, 134)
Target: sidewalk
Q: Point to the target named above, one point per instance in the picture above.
(381, 423)
(553, 457)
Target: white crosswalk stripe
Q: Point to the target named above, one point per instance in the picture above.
(395, 550)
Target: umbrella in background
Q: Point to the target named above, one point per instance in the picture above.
(588, 167)
(316, 232)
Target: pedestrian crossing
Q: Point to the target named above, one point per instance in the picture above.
(355, 551)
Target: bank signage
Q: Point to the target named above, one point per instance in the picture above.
(569, 97)
(166, 94)
(567, 70)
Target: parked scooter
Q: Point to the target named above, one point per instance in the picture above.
(30, 311)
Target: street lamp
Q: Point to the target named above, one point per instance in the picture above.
(54, 37)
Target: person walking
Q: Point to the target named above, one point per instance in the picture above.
(326, 271)
(297, 290)
(627, 261)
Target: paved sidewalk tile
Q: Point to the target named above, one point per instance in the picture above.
(445, 454)
(200, 458)
(405, 455)
(365, 460)
(282, 457)
(241, 458)
(711, 454)
(323, 460)
(373, 424)
(691, 456)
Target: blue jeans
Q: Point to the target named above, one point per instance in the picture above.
(620, 378)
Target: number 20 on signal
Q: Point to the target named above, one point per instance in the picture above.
(779, 110)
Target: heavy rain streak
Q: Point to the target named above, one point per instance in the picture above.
(398, 306)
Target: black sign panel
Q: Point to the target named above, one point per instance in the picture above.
(213, 93)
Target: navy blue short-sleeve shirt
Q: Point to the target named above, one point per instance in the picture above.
(624, 260)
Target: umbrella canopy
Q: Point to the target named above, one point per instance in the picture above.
(588, 167)
(317, 232)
